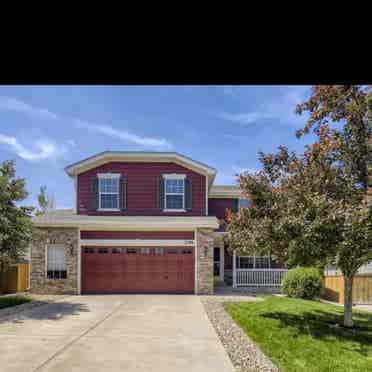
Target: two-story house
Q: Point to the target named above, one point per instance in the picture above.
(142, 222)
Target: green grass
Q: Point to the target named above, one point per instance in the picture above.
(13, 301)
(300, 335)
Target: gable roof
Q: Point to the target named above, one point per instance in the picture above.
(225, 191)
(140, 156)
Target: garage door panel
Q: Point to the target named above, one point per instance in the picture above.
(138, 270)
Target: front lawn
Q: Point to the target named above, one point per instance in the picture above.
(9, 301)
(300, 335)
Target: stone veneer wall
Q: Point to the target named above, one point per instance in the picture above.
(68, 237)
(204, 256)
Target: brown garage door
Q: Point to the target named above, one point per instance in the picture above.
(137, 270)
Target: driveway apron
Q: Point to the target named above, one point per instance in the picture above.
(113, 333)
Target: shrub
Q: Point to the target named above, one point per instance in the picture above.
(303, 282)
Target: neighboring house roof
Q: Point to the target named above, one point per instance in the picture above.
(67, 218)
(220, 191)
(140, 156)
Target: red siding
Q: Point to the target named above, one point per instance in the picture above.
(217, 207)
(184, 235)
(142, 188)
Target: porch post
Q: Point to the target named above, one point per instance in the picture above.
(222, 262)
(234, 269)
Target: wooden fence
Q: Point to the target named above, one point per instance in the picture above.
(16, 279)
(362, 289)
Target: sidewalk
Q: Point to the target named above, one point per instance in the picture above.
(357, 307)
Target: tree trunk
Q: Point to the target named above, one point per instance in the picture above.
(348, 301)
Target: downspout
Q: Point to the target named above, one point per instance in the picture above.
(196, 253)
(76, 196)
(206, 194)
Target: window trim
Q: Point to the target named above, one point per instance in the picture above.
(108, 176)
(47, 246)
(170, 177)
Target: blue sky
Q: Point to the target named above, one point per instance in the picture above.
(46, 128)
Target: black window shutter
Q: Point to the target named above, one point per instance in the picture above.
(123, 187)
(160, 193)
(235, 207)
(94, 194)
(188, 194)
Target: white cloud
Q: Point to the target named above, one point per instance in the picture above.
(245, 118)
(15, 105)
(278, 109)
(229, 91)
(239, 170)
(71, 142)
(124, 135)
(236, 92)
(228, 176)
(42, 149)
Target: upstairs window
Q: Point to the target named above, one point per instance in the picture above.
(108, 186)
(174, 192)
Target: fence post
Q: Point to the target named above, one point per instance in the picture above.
(234, 270)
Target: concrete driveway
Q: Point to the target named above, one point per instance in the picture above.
(113, 333)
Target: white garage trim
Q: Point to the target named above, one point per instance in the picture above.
(136, 242)
(66, 218)
(79, 264)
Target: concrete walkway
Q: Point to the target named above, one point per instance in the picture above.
(113, 333)
(363, 307)
(366, 307)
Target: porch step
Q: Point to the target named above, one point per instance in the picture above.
(220, 284)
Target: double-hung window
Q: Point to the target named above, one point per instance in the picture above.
(108, 186)
(56, 262)
(174, 192)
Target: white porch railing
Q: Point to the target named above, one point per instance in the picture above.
(259, 277)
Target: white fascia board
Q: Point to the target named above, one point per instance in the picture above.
(136, 242)
(111, 223)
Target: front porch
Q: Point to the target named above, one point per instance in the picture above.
(253, 273)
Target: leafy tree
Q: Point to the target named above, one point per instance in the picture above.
(46, 202)
(15, 221)
(315, 208)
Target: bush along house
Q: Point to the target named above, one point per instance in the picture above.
(143, 222)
